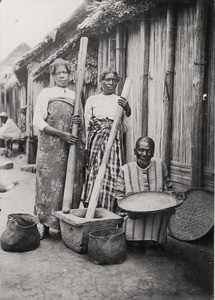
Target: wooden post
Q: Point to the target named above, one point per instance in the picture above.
(100, 64)
(23, 95)
(30, 151)
(70, 172)
(120, 56)
(51, 82)
(145, 99)
(5, 100)
(168, 86)
(100, 176)
(112, 51)
(198, 86)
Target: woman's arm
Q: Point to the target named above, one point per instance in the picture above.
(87, 116)
(66, 136)
(40, 111)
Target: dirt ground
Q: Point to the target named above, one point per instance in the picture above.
(53, 271)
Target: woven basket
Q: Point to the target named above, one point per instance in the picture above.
(21, 233)
(195, 217)
(141, 203)
(107, 246)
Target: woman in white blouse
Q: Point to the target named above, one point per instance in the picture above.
(99, 115)
(54, 116)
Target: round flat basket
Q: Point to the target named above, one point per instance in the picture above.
(195, 217)
(148, 202)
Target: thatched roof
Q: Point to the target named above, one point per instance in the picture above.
(16, 54)
(12, 82)
(58, 33)
(52, 57)
(108, 13)
(7, 65)
(102, 16)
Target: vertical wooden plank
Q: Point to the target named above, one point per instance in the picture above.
(51, 81)
(183, 75)
(14, 101)
(5, 100)
(30, 153)
(112, 50)
(168, 86)
(105, 52)
(100, 63)
(23, 95)
(156, 76)
(198, 86)
(209, 113)
(121, 56)
(146, 44)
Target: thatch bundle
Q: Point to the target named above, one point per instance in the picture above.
(106, 14)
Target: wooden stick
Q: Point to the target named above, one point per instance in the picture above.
(70, 172)
(100, 176)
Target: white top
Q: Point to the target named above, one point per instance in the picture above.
(40, 112)
(101, 106)
(9, 130)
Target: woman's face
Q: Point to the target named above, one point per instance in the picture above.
(109, 84)
(61, 76)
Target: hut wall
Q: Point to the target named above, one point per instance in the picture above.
(156, 74)
(182, 98)
(135, 60)
(208, 178)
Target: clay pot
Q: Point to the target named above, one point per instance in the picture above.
(107, 246)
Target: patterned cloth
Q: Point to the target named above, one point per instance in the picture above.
(132, 179)
(41, 112)
(52, 162)
(99, 131)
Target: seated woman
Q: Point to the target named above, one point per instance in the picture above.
(8, 131)
(99, 115)
(145, 174)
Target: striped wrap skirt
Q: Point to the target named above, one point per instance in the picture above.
(99, 132)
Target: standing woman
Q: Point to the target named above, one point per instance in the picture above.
(99, 115)
(54, 117)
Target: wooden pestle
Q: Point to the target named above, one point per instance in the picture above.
(70, 172)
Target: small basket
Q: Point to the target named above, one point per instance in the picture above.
(195, 217)
(107, 246)
(21, 233)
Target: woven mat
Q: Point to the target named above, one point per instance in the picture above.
(195, 217)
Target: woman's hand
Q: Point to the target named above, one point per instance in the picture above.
(180, 195)
(68, 137)
(76, 119)
(124, 103)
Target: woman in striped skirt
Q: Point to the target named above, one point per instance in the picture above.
(99, 115)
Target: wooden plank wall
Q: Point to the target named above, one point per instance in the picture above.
(182, 103)
(106, 54)
(182, 97)
(137, 42)
(208, 178)
(157, 56)
(147, 118)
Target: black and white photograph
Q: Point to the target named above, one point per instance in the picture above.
(107, 149)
